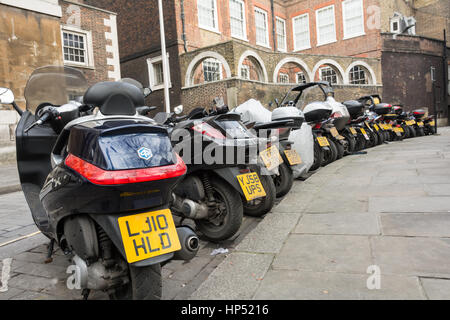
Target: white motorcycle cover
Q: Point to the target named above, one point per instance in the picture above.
(253, 110)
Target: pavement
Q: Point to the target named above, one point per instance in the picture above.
(369, 226)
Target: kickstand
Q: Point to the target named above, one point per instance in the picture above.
(50, 251)
(85, 293)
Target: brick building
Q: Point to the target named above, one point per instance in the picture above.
(36, 33)
(258, 48)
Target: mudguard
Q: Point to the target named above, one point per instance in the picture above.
(229, 174)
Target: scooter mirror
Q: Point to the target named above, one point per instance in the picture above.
(147, 92)
(178, 109)
(6, 96)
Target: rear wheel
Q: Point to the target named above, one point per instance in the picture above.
(412, 132)
(351, 142)
(330, 155)
(145, 284)
(419, 131)
(283, 182)
(261, 206)
(318, 156)
(229, 212)
(340, 150)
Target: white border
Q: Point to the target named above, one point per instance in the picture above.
(293, 33)
(89, 47)
(267, 28)
(320, 43)
(216, 20)
(367, 67)
(298, 61)
(285, 34)
(251, 53)
(244, 22)
(341, 80)
(151, 73)
(45, 7)
(358, 34)
(203, 55)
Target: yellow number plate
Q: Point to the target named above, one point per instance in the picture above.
(363, 131)
(353, 131)
(271, 157)
(148, 235)
(398, 130)
(432, 123)
(334, 132)
(251, 186)
(376, 101)
(293, 157)
(323, 141)
(420, 124)
(376, 127)
(411, 122)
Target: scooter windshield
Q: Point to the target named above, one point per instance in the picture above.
(54, 84)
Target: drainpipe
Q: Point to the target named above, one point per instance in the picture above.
(183, 24)
(273, 26)
(446, 75)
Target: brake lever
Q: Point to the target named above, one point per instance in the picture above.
(43, 119)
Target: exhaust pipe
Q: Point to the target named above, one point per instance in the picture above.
(189, 208)
(189, 244)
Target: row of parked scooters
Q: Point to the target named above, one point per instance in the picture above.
(123, 193)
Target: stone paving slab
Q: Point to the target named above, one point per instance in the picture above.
(307, 285)
(333, 223)
(339, 253)
(237, 277)
(342, 202)
(437, 189)
(436, 289)
(269, 235)
(413, 256)
(416, 224)
(409, 204)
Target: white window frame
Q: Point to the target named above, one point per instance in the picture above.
(344, 20)
(89, 58)
(244, 22)
(216, 20)
(328, 67)
(308, 46)
(319, 41)
(264, 12)
(296, 76)
(394, 19)
(151, 73)
(283, 74)
(220, 69)
(247, 68)
(278, 19)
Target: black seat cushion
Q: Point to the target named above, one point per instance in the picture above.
(114, 98)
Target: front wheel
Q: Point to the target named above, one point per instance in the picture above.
(318, 156)
(284, 180)
(260, 206)
(331, 154)
(227, 218)
(145, 284)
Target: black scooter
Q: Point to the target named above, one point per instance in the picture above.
(99, 185)
(222, 179)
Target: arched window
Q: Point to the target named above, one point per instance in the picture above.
(292, 72)
(358, 75)
(327, 73)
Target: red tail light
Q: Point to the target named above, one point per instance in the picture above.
(318, 126)
(336, 114)
(99, 176)
(207, 130)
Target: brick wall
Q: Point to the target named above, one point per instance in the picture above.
(86, 18)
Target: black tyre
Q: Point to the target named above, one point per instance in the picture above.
(330, 155)
(419, 131)
(283, 182)
(380, 136)
(340, 150)
(318, 156)
(412, 132)
(360, 142)
(351, 142)
(145, 284)
(261, 206)
(229, 215)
